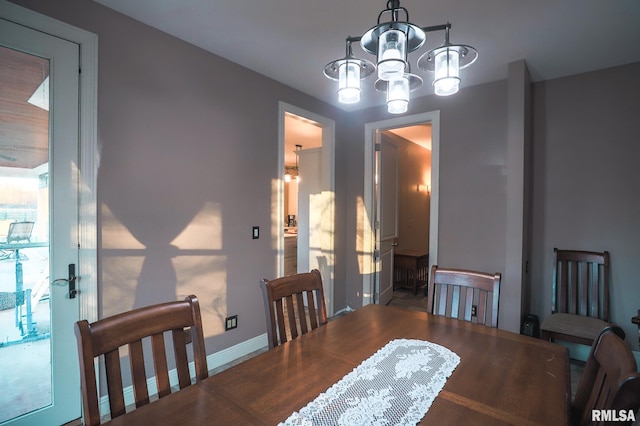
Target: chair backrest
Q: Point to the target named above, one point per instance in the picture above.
(293, 305)
(19, 231)
(105, 337)
(581, 283)
(469, 295)
(610, 380)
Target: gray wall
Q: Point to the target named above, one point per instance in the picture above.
(586, 179)
(189, 145)
(584, 182)
(472, 201)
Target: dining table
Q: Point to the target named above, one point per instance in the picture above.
(501, 377)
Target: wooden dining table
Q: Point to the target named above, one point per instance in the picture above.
(502, 377)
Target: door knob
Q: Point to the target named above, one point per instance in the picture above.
(71, 281)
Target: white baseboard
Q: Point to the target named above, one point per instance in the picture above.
(214, 360)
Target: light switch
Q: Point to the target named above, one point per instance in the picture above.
(256, 232)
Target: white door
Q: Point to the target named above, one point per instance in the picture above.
(386, 216)
(39, 370)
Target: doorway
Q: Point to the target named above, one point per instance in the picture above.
(48, 204)
(306, 196)
(371, 282)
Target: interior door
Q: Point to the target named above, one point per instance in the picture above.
(386, 215)
(39, 177)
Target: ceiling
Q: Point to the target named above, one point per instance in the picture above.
(556, 37)
(24, 128)
(419, 134)
(299, 131)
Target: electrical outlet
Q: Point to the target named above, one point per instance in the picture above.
(230, 323)
(474, 310)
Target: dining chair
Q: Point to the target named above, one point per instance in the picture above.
(610, 380)
(173, 324)
(469, 295)
(580, 297)
(294, 305)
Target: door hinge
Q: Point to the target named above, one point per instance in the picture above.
(378, 147)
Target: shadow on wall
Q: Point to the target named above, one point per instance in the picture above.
(191, 263)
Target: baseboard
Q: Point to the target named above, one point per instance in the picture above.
(343, 311)
(214, 360)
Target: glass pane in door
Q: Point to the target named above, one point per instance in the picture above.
(25, 350)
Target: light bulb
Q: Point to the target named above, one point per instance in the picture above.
(391, 54)
(398, 96)
(349, 82)
(447, 70)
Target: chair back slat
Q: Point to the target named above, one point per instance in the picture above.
(114, 384)
(455, 292)
(291, 316)
(482, 307)
(139, 330)
(610, 380)
(313, 315)
(468, 306)
(180, 353)
(160, 365)
(294, 305)
(138, 373)
(300, 316)
(584, 283)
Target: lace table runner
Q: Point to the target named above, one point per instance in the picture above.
(395, 386)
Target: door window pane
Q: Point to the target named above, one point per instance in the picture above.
(25, 350)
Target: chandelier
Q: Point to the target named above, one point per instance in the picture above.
(391, 41)
(293, 171)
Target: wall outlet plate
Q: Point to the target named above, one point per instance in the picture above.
(230, 323)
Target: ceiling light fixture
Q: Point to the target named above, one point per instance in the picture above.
(293, 171)
(391, 41)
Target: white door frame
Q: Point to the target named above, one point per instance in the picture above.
(328, 149)
(433, 117)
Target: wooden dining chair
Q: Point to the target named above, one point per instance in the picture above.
(468, 295)
(610, 380)
(294, 305)
(580, 297)
(105, 338)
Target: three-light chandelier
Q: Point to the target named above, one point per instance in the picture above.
(391, 41)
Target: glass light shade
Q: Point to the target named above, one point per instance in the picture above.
(287, 177)
(392, 51)
(349, 82)
(447, 70)
(398, 96)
